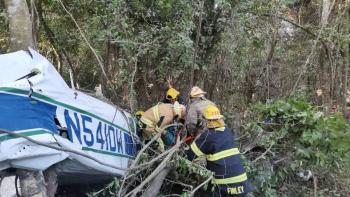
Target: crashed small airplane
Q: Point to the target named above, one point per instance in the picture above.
(37, 103)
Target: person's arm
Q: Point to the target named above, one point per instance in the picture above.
(200, 147)
(169, 83)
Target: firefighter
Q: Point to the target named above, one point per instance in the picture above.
(139, 114)
(172, 95)
(217, 144)
(195, 110)
(160, 116)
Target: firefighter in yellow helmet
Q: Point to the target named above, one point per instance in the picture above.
(218, 145)
(172, 95)
(197, 104)
(160, 116)
(138, 114)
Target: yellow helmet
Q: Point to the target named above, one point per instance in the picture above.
(196, 92)
(139, 113)
(172, 93)
(212, 113)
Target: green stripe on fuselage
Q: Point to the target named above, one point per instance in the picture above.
(41, 131)
(27, 133)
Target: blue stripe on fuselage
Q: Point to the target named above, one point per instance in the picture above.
(20, 113)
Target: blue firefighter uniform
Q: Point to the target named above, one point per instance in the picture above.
(223, 158)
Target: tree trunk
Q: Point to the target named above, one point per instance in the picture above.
(194, 70)
(32, 183)
(51, 181)
(346, 64)
(20, 25)
(326, 10)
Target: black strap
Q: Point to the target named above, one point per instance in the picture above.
(160, 121)
(29, 75)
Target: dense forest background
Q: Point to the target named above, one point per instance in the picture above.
(291, 56)
(240, 52)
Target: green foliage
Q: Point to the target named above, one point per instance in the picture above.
(3, 17)
(193, 174)
(155, 35)
(109, 190)
(185, 168)
(300, 137)
(320, 139)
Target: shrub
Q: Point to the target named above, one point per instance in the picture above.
(289, 137)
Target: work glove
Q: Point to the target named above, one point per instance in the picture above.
(191, 130)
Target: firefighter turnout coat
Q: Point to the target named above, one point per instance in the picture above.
(195, 112)
(223, 159)
(152, 116)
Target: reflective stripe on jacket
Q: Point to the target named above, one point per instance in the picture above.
(222, 154)
(152, 116)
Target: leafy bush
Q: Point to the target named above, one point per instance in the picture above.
(292, 136)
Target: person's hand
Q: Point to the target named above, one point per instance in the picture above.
(191, 130)
(169, 82)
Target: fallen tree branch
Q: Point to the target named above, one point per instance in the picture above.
(153, 160)
(134, 166)
(160, 167)
(280, 160)
(155, 137)
(262, 155)
(199, 186)
(194, 164)
(180, 183)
